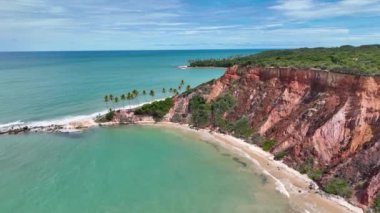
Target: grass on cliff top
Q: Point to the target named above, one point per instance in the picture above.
(362, 60)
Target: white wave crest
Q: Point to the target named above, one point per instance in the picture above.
(65, 120)
(15, 123)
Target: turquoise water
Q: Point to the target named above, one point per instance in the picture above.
(124, 169)
(39, 86)
(128, 169)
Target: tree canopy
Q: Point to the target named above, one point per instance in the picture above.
(362, 60)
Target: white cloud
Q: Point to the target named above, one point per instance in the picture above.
(131, 24)
(312, 9)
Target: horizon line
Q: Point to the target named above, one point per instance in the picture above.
(200, 49)
(136, 50)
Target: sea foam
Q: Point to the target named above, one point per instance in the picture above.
(65, 120)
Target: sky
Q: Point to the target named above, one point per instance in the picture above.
(36, 25)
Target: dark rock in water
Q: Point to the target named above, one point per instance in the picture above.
(240, 161)
(18, 129)
(71, 135)
(226, 154)
(264, 179)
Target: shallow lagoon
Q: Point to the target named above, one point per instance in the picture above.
(129, 169)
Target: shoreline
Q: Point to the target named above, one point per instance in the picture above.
(289, 182)
(64, 124)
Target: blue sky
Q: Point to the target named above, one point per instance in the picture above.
(186, 24)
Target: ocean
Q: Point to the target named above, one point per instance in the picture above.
(117, 169)
(42, 86)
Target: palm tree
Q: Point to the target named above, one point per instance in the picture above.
(175, 91)
(111, 98)
(129, 98)
(179, 88)
(144, 94)
(171, 90)
(116, 100)
(163, 90)
(152, 93)
(106, 99)
(182, 82)
(188, 87)
(122, 97)
(135, 95)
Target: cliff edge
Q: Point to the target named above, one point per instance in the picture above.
(321, 123)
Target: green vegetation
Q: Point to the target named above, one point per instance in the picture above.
(134, 95)
(219, 107)
(200, 111)
(106, 118)
(157, 109)
(315, 174)
(376, 205)
(308, 168)
(204, 114)
(109, 116)
(269, 144)
(223, 104)
(363, 60)
(242, 128)
(339, 187)
(280, 155)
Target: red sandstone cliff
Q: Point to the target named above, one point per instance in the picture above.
(332, 119)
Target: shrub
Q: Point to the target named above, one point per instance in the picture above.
(200, 111)
(268, 144)
(223, 104)
(106, 118)
(177, 118)
(201, 116)
(339, 187)
(157, 109)
(315, 174)
(109, 116)
(242, 128)
(196, 102)
(256, 138)
(224, 125)
(280, 155)
(306, 166)
(376, 205)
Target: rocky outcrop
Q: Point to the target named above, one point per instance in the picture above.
(329, 119)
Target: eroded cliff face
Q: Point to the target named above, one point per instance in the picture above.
(330, 119)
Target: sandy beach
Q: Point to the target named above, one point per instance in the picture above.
(288, 181)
